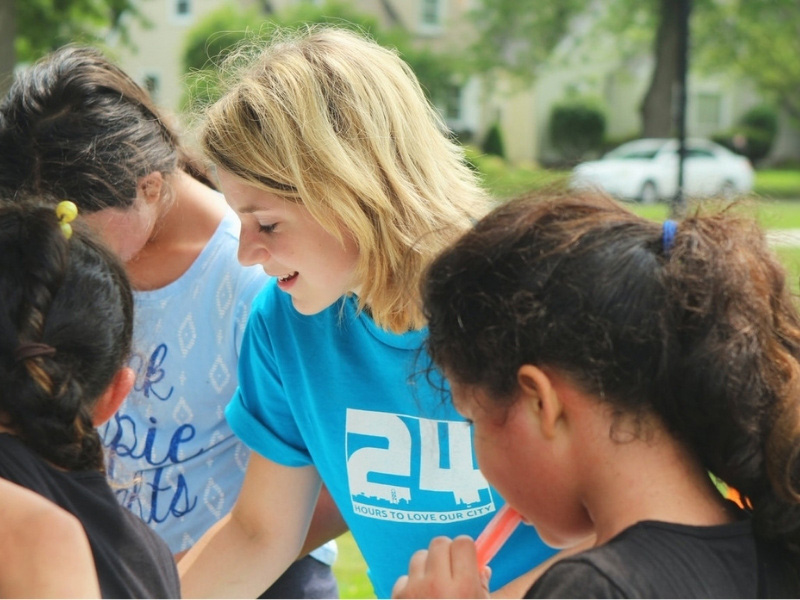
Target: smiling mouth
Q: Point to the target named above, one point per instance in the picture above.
(288, 277)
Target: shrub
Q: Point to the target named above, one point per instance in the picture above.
(577, 126)
(493, 142)
(754, 135)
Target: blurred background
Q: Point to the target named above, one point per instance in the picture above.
(536, 86)
(534, 90)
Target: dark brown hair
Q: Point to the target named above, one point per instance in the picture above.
(74, 296)
(703, 334)
(75, 126)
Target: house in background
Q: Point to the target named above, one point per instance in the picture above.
(581, 65)
(154, 59)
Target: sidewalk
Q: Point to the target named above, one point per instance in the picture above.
(784, 237)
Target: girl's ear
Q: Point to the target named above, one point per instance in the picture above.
(150, 186)
(108, 403)
(539, 394)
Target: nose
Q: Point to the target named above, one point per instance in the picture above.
(251, 250)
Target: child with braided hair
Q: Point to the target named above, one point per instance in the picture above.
(608, 364)
(66, 319)
(76, 126)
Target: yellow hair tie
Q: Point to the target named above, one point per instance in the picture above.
(66, 212)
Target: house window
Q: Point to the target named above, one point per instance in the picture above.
(709, 109)
(452, 103)
(431, 13)
(152, 84)
(183, 8)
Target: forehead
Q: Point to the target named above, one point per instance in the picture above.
(246, 198)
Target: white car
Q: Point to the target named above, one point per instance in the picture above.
(647, 170)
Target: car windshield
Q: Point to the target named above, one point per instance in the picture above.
(636, 150)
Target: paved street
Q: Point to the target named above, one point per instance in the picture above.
(784, 237)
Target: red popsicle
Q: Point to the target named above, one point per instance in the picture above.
(497, 531)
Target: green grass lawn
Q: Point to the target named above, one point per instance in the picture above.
(777, 183)
(351, 570)
(790, 257)
(506, 181)
(771, 214)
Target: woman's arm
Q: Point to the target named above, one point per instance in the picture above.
(247, 550)
(326, 524)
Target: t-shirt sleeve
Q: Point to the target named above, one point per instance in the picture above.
(574, 578)
(259, 412)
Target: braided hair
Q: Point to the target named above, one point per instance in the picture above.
(70, 296)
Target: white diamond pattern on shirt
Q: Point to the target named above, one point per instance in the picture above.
(214, 498)
(183, 413)
(224, 295)
(187, 335)
(220, 374)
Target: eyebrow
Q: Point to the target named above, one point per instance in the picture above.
(249, 210)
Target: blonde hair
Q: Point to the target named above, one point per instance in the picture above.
(332, 120)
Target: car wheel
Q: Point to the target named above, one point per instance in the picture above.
(649, 193)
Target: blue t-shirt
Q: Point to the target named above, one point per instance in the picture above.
(172, 458)
(335, 391)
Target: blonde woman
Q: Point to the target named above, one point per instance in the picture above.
(347, 186)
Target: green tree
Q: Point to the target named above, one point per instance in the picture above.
(758, 40)
(31, 28)
(229, 27)
(8, 56)
(518, 36)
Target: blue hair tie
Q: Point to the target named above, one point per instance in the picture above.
(668, 230)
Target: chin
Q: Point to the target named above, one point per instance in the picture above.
(306, 308)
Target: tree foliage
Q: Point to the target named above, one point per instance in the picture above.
(229, 28)
(754, 135)
(32, 28)
(518, 36)
(44, 25)
(755, 39)
(759, 40)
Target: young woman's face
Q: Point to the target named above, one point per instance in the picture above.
(532, 473)
(311, 264)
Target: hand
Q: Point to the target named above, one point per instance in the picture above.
(447, 569)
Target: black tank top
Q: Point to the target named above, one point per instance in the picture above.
(131, 560)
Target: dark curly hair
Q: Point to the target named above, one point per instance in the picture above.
(705, 336)
(72, 295)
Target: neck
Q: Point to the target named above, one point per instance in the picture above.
(184, 229)
(653, 478)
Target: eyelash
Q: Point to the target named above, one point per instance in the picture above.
(267, 228)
